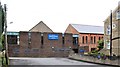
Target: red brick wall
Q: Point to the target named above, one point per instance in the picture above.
(94, 45)
(71, 29)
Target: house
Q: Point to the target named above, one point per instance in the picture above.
(88, 35)
(115, 33)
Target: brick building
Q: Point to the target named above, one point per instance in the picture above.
(88, 35)
(40, 41)
(37, 44)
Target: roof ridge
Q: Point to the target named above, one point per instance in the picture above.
(87, 25)
(40, 23)
(82, 28)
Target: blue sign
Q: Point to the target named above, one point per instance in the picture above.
(81, 50)
(53, 36)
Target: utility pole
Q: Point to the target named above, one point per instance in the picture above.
(111, 34)
(118, 36)
(6, 44)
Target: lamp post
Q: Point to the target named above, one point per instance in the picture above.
(6, 44)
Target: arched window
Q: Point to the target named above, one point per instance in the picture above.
(83, 40)
(99, 38)
(94, 39)
(86, 39)
(91, 40)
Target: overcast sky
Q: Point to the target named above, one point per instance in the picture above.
(57, 14)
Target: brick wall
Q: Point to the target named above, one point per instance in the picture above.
(31, 45)
(89, 44)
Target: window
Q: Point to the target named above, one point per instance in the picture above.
(42, 40)
(94, 39)
(86, 39)
(18, 40)
(108, 45)
(99, 38)
(108, 30)
(83, 40)
(29, 37)
(102, 37)
(75, 40)
(91, 40)
(12, 39)
(63, 40)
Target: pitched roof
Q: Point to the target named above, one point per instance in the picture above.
(41, 27)
(88, 28)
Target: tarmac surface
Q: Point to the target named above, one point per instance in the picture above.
(45, 61)
(48, 62)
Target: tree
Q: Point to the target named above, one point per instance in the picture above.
(2, 46)
(1, 26)
(100, 44)
(1, 20)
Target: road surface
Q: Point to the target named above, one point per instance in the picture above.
(46, 61)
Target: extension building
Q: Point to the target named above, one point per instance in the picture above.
(88, 35)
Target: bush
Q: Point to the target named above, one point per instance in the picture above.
(90, 53)
(101, 54)
(94, 51)
(101, 44)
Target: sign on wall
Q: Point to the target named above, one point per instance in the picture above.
(53, 36)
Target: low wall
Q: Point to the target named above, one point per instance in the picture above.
(94, 60)
(17, 51)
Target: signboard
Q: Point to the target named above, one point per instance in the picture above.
(53, 36)
(81, 50)
(12, 33)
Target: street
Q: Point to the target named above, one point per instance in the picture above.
(48, 61)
